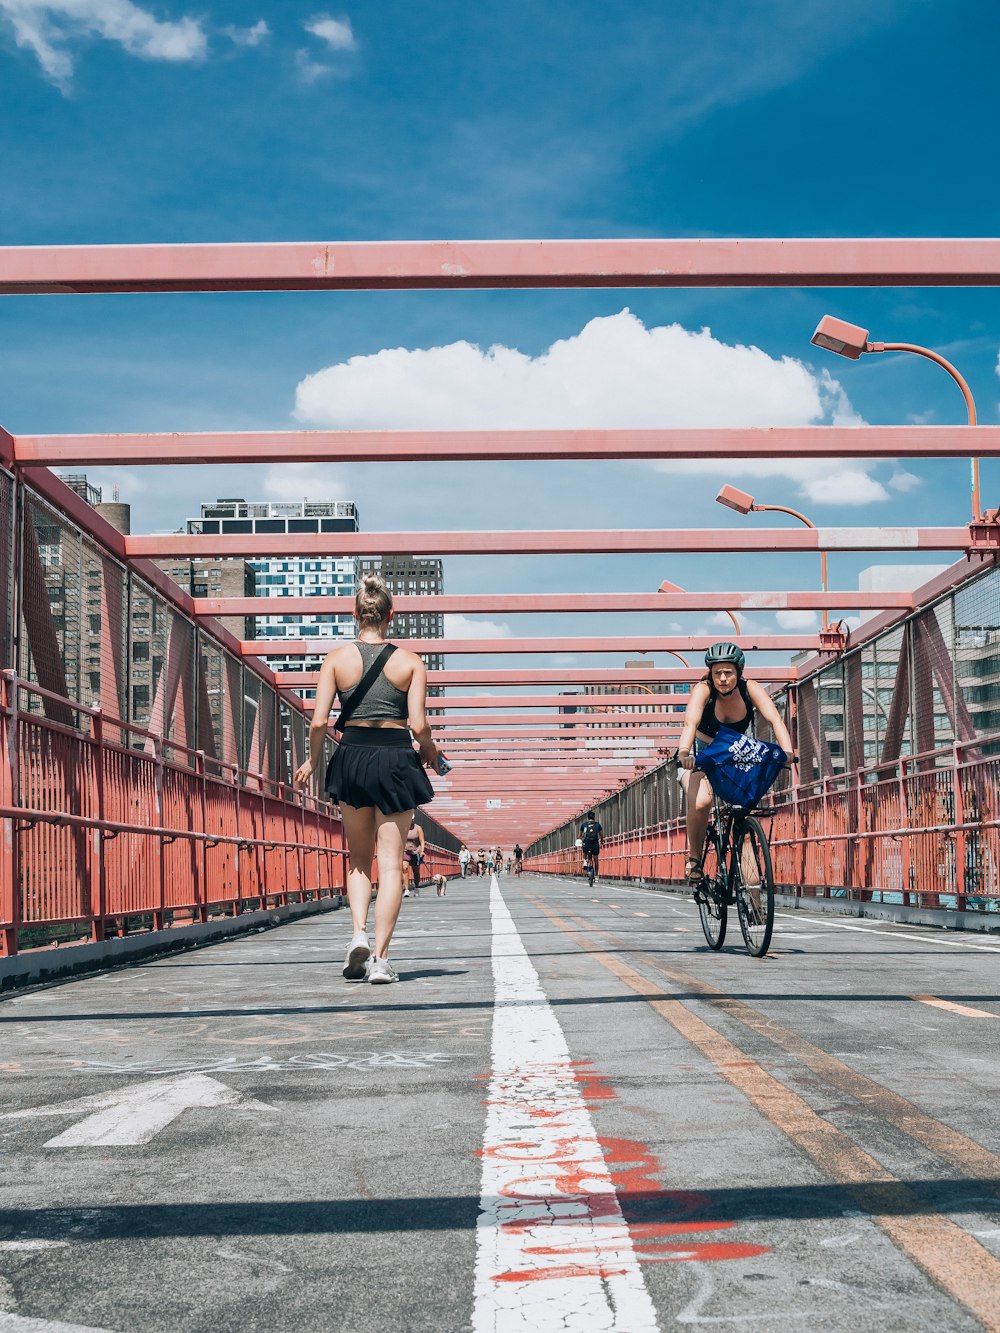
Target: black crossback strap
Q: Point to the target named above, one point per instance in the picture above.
(364, 685)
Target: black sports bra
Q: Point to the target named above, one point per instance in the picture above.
(709, 724)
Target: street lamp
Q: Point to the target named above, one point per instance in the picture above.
(836, 335)
(745, 504)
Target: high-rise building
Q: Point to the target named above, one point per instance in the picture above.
(292, 576)
(412, 576)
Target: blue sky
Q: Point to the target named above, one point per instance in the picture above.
(128, 122)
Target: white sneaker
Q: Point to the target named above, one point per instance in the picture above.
(357, 958)
(381, 972)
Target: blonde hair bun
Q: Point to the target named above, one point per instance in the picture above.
(373, 602)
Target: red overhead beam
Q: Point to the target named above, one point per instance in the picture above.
(625, 704)
(771, 643)
(416, 446)
(463, 265)
(588, 541)
(469, 678)
(551, 603)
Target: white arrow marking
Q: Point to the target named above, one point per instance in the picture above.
(136, 1114)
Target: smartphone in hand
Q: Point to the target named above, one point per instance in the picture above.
(443, 766)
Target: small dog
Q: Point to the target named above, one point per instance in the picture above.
(440, 882)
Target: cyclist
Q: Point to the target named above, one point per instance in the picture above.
(518, 858)
(590, 840)
(721, 698)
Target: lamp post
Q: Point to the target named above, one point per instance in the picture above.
(745, 504)
(836, 335)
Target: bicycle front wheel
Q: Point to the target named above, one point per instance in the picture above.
(711, 893)
(753, 885)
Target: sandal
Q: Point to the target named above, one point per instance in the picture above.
(693, 873)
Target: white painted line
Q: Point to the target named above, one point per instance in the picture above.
(553, 1250)
(18, 1323)
(135, 1114)
(897, 934)
(20, 1245)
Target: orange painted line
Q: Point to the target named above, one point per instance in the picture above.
(953, 1008)
(949, 1256)
(965, 1154)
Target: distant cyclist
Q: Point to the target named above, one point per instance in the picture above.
(518, 858)
(590, 839)
(721, 698)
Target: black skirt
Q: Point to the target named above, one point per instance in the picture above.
(378, 766)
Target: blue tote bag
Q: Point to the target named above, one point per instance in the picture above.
(740, 768)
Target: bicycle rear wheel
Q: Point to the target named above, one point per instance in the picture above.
(753, 886)
(711, 893)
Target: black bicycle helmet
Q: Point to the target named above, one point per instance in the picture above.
(725, 652)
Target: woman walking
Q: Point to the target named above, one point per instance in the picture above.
(375, 775)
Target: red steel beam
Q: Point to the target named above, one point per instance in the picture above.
(624, 703)
(770, 643)
(464, 265)
(570, 722)
(703, 541)
(570, 675)
(415, 446)
(550, 603)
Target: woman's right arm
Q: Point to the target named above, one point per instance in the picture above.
(692, 720)
(326, 688)
(416, 708)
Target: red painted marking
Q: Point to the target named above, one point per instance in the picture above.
(635, 1171)
(568, 1270)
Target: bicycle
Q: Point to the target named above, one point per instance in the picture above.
(588, 869)
(736, 871)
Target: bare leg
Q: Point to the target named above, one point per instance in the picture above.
(359, 825)
(390, 838)
(699, 810)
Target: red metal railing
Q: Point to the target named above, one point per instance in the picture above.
(111, 833)
(925, 830)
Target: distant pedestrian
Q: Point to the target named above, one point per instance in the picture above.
(481, 861)
(375, 775)
(464, 857)
(415, 843)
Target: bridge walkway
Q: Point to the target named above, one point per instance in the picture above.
(648, 1135)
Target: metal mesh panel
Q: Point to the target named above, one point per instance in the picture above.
(105, 634)
(211, 678)
(250, 757)
(938, 713)
(50, 602)
(976, 654)
(831, 719)
(7, 529)
(886, 692)
(162, 670)
(270, 765)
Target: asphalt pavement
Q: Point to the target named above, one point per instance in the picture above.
(568, 1114)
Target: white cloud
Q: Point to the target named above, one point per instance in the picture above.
(249, 36)
(337, 33)
(614, 373)
(793, 620)
(461, 627)
(50, 27)
(309, 70)
(300, 481)
(904, 482)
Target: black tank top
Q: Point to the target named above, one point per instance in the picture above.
(709, 724)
